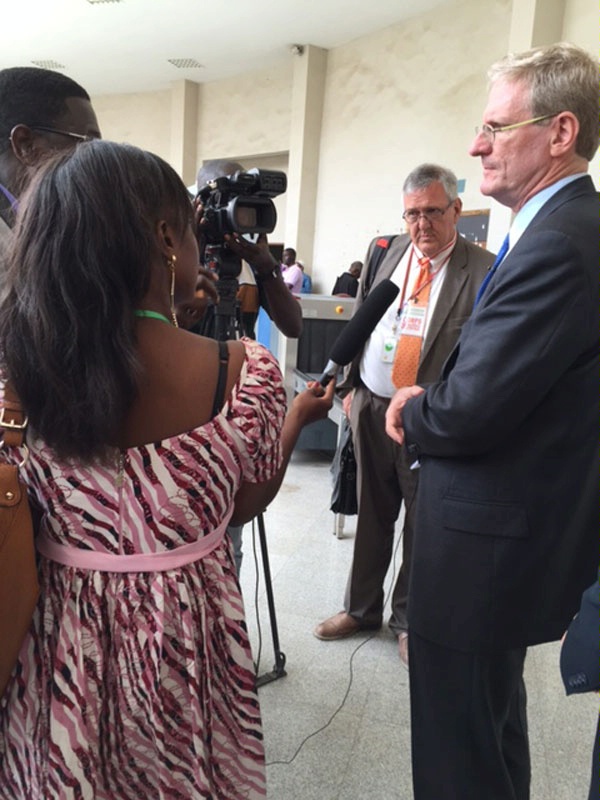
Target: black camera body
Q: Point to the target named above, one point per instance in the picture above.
(241, 203)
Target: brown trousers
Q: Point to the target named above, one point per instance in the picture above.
(384, 480)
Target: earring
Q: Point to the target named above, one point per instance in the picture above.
(171, 264)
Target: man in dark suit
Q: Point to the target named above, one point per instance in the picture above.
(507, 439)
(385, 478)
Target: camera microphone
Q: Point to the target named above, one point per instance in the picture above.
(359, 328)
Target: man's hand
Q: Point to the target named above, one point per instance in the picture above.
(191, 311)
(393, 416)
(205, 285)
(257, 255)
(314, 403)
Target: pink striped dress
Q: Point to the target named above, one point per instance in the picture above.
(136, 679)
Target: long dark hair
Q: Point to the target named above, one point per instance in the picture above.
(85, 241)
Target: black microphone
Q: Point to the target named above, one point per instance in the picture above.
(359, 328)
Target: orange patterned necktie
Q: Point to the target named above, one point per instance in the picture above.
(408, 349)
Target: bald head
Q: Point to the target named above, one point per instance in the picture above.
(216, 168)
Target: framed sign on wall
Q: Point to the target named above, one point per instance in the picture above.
(473, 225)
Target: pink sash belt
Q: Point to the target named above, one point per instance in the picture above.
(141, 562)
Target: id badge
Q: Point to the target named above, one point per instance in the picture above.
(388, 350)
(412, 321)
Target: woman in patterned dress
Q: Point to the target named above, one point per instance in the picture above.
(135, 679)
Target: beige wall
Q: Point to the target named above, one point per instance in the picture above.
(393, 99)
(580, 25)
(142, 119)
(409, 94)
(245, 115)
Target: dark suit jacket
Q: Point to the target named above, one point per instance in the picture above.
(580, 652)
(507, 515)
(465, 272)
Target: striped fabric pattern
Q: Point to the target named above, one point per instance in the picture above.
(141, 684)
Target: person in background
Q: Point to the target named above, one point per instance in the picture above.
(41, 111)
(249, 300)
(306, 280)
(291, 271)
(507, 440)
(144, 442)
(431, 259)
(346, 284)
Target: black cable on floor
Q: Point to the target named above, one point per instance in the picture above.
(351, 677)
(335, 713)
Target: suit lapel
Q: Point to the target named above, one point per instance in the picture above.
(386, 269)
(583, 186)
(580, 187)
(392, 258)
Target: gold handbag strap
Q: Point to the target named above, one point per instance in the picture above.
(12, 419)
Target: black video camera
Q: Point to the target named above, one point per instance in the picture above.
(241, 203)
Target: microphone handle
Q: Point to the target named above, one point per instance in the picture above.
(329, 373)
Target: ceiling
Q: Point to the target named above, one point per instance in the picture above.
(119, 46)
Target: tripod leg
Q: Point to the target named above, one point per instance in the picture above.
(279, 666)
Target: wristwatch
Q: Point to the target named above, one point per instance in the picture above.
(267, 276)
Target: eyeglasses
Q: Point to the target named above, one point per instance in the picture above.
(78, 136)
(413, 215)
(489, 132)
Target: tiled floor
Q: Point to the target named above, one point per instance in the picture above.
(337, 724)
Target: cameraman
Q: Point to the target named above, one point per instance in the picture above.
(273, 295)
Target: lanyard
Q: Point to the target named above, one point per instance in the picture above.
(404, 302)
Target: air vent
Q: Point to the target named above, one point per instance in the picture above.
(97, 2)
(185, 63)
(49, 64)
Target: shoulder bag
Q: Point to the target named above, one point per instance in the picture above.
(19, 588)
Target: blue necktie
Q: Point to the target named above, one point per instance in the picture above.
(501, 253)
